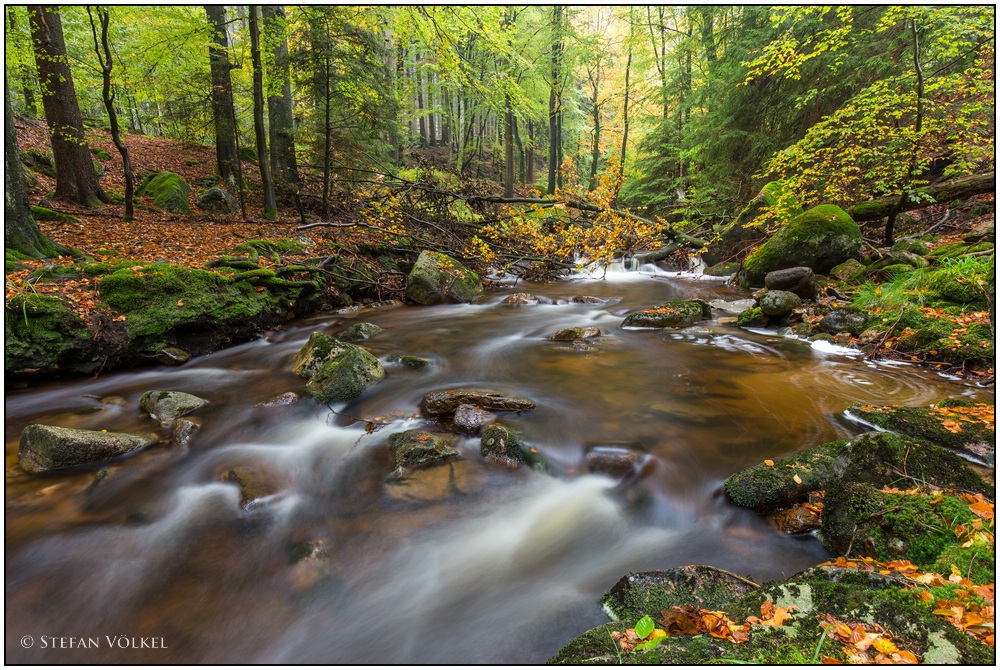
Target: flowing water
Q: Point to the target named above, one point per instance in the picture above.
(465, 564)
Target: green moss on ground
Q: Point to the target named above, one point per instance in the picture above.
(42, 333)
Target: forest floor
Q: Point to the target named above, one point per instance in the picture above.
(197, 238)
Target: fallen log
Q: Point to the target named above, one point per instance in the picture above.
(966, 187)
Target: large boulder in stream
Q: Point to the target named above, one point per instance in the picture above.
(43, 448)
(337, 371)
(671, 314)
(820, 238)
(502, 445)
(416, 449)
(438, 278)
(443, 403)
(166, 406)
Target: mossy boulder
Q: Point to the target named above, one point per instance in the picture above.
(40, 161)
(640, 593)
(438, 278)
(850, 271)
(44, 448)
(752, 318)
(874, 458)
(499, 443)
(779, 303)
(337, 371)
(42, 333)
(168, 190)
(941, 338)
(417, 448)
(166, 406)
(217, 199)
(820, 238)
(844, 319)
(360, 332)
(671, 314)
(958, 424)
(739, 235)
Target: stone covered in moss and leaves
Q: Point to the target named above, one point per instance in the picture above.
(337, 371)
(168, 190)
(820, 239)
(752, 318)
(959, 424)
(438, 278)
(43, 448)
(46, 214)
(360, 332)
(875, 458)
(671, 314)
(42, 333)
(417, 448)
(640, 593)
(500, 444)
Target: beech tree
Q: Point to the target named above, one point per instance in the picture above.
(281, 132)
(222, 95)
(76, 180)
(260, 133)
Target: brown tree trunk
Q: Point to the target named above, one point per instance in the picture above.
(222, 95)
(103, 50)
(260, 132)
(76, 180)
(281, 131)
(508, 152)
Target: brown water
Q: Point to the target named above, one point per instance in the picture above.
(504, 568)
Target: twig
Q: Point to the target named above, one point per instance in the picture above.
(885, 336)
(949, 488)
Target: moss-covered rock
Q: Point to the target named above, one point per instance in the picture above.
(671, 314)
(166, 406)
(874, 458)
(217, 199)
(850, 271)
(437, 278)
(46, 214)
(45, 448)
(820, 238)
(168, 190)
(500, 444)
(359, 332)
(42, 333)
(966, 429)
(345, 377)
(417, 448)
(751, 318)
(640, 593)
(40, 161)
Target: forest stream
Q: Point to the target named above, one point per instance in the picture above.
(485, 564)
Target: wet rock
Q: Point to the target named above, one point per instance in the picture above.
(499, 444)
(842, 338)
(592, 300)
(970, 435)
(437, 278)
(289, 398)
(166, 406)
(409, 361)
(794, 520)
(173, 356)
(360, 332)
(640, 593)
(218, 199)
(256, 481)
(838, 320)
(577, 333)
(722, 269)
(616, 461)
(672, 314)
(437, 482)
(45, 448)
(337, 371)
(310, 563)
(470, 419)
(520, 299)
(732, 306)
(116, 400)
(185, 430)
(439, 403)
(415, 449)
(779, 303)
(752, 318)
(800, 280)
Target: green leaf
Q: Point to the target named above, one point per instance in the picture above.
(644, 626)
(650, 644)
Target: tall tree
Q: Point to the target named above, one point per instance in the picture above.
(281, 132)
(76, 179)
(555, 97)
(20, 231)
(102, 48)
(222, 95)
(260, 132)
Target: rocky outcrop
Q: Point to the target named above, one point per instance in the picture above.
(44, 448)
(437, 278)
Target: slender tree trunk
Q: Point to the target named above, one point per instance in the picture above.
(431, 125)
(103, 50)
(222, 95)
(327, 139)
(554, 138)
(621, 162)
(76, 179)
(520, 153)
(530, 155)
(20, 231)
(281, 131)
(30, 105)
(595, 111)
(508, 151)
(918, 125)
(420, 102)
(260, 132)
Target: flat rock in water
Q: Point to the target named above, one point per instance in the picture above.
(520, 299)
(438, 403)
(640, 593)
(617, 461)
(409, 361)
(415, 449)
(172, 356)
(591, 300)
(437, 482)
(185, 430)
(470, 419)
(289, 398)
(43, 448)
(360, 332)
(794, 520)
(577, 333)
(671, 314)
(256, 481)
(166, 406)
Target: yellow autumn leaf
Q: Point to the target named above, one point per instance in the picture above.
(884, 645)
(769, 463)
(796, 479)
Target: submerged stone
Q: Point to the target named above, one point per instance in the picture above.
(44, 448)
(616, 461)
(361, 331)
(289, 398)
(577, 333)
(520, 299)
(165, 406)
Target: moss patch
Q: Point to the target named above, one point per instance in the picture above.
(168, 190)
(43, 333)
